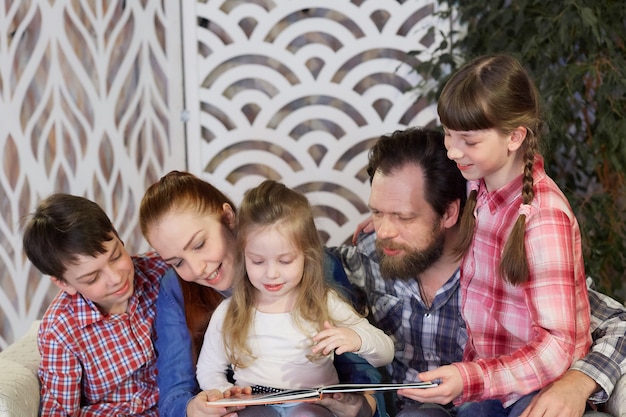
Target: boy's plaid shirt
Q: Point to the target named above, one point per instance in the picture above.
(101, 365)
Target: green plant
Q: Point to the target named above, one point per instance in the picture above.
(575, 51)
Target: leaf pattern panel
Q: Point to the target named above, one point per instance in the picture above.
(90, 99)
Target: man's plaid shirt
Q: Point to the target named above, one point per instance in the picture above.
(428, 338)
(425, 338)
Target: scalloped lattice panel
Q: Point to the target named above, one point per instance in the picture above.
(91, 93)
(298, 91)
(90, 98)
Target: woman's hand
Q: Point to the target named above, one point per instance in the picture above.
(197, 406)
(236, 390)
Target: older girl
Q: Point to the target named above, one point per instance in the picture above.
(522, 275)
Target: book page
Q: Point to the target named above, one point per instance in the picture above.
(374, 387)
(298, 395)
(309, 395)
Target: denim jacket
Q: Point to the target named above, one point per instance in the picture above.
(177, 371)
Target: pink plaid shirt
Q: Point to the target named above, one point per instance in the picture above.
(523, 337)
(95, 365)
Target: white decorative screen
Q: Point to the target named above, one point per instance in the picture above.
(91, 96)
(298, 91)
(90, 101)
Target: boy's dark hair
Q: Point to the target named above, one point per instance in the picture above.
(62, 227)
(443, 182)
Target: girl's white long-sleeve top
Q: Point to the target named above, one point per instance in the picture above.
(281, 348)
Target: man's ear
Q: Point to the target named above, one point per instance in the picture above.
(518, 135)
(229, 216)
(452, 214)
(63, 285)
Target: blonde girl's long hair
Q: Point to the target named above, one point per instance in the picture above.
(272, 203)
(495, 92)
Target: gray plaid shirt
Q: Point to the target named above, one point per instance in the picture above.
(424, 338)
(428, 338)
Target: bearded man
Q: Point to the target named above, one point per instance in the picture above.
(408, 279)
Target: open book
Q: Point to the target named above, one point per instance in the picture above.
(311, 394)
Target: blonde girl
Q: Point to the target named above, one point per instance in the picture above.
(283, 324)
(522, 275)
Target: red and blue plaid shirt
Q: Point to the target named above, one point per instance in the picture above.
(96, 365)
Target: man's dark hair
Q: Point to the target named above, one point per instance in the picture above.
(443, 182)
(63, 227)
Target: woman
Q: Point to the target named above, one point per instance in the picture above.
(191, 225)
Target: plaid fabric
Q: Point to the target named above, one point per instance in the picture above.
(95, 365)
(523, 337)
(606, 361)
(604, 364)
(424, 338)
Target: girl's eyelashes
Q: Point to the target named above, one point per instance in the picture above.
(261, 261)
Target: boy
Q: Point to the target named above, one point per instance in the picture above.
(97, 356)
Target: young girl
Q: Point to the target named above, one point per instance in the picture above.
(522, 274)
(191, 224)
(282, 325)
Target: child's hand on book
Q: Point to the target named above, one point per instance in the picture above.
(450, 386)
(337, 339)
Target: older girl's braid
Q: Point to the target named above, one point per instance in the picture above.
(514, 263)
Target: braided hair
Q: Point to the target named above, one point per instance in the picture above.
(495, 92)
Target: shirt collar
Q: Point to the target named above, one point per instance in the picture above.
(506, 196)
(446, 291)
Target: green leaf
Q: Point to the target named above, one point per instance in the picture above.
(576, 53)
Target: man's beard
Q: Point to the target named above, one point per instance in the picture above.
(414, 261)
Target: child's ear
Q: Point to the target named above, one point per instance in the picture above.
(63, 285)
(517, 138)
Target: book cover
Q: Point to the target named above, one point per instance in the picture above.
(310, 394)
